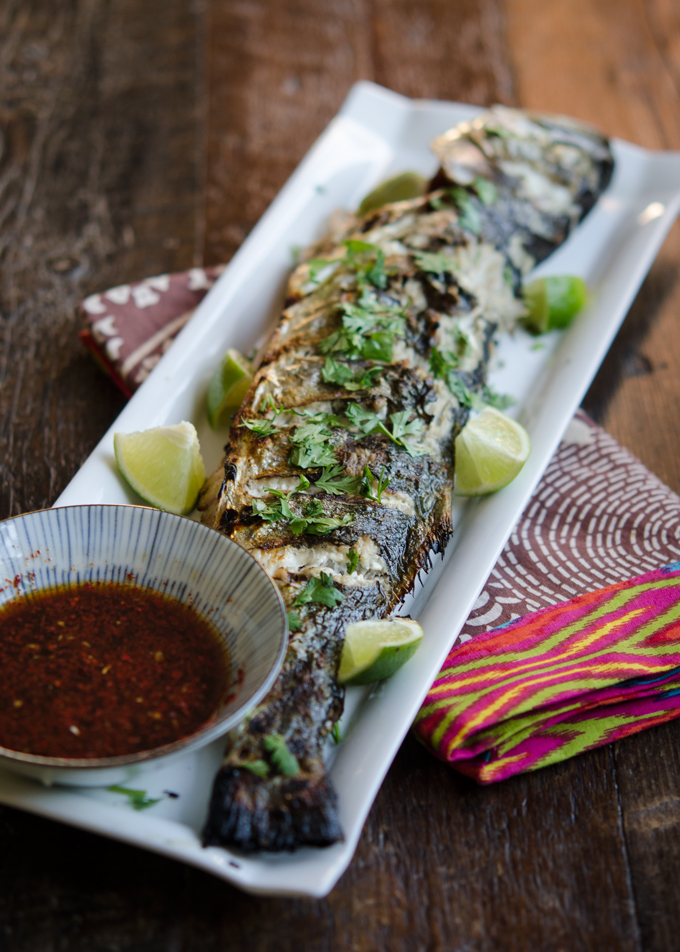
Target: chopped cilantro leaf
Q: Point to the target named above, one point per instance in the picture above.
(434, 262)
(138, 799)
(272, 512)
(437, 202)
(320, 590)
(336, 372)
(401, 429)
(365, 420)
(490, 398)
(501, 401)
(367, 484)
(368, 261)
(258, 767)
(468, 214)
(311, 455)
(281, 757)
(444, 364)
(314, 520)
(352, 561)
(261, 427)
(459, 390)
(294, 622)
(335, 481)
(486, 190)
(335, 733)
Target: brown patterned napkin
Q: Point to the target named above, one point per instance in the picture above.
(596, 518)
(130, 327)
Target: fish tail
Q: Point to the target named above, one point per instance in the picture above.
(303, 812)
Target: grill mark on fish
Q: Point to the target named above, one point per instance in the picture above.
(544, 175)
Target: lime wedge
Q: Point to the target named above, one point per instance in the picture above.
(553, 302)
(490, 451)
(397, 189)
(164, 465)
(228, 386)
(373, 650)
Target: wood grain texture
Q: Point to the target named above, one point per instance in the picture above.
(113, 115)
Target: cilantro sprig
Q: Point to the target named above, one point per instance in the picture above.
(313, 520)
(367, 261)
(434, 262)
(282, 758)
(382, 482)
(468, 213)
(321, 590)
(265, 426)
(401, 432)
(138, 799)
(335, 372)
(335, 481)
(486, 191)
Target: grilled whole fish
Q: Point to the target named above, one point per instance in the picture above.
(338, 473)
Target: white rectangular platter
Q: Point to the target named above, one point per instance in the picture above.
(377, 133)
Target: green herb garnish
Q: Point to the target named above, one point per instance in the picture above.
(258, 767)
(352, 561)
(336, 482)
(367, 485)
(335, 372)
(139, 799)
(501, 401)
(261, 427)
(468, 214)
(335, 733)
(444, 364)
(486, 191)
(369, 422)
(368, 261)
(320, 590)
(294, 622)
(312, 443)
(401, 428)
(313, 520)
(434, 262)
(282, 758)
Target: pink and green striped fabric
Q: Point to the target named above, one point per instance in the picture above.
(559, 681)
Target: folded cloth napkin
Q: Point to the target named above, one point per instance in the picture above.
(560, 681)
(533, 679)
(130, 327)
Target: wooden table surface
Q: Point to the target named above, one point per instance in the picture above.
(137, 138)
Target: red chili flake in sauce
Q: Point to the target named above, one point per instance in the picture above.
(104, 670)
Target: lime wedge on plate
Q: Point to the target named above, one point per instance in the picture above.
(164, 465)
(553, 302)
(373, 650)
(228, 386)
(396, 189)
(490, 451)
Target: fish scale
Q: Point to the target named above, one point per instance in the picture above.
(511, 187)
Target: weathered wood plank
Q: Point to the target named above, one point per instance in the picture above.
(99, 183)
(627, 82)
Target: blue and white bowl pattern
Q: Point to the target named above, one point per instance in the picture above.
(165, 553)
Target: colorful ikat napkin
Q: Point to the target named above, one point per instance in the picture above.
(575, 639)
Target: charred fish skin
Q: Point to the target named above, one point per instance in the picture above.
(338, 474)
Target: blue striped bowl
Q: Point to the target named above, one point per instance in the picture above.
(165, 553)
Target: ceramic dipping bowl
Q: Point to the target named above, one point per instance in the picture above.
(171, 555)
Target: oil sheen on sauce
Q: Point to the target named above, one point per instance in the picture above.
(104, 670)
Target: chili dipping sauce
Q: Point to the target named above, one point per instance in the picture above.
(105, 670)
